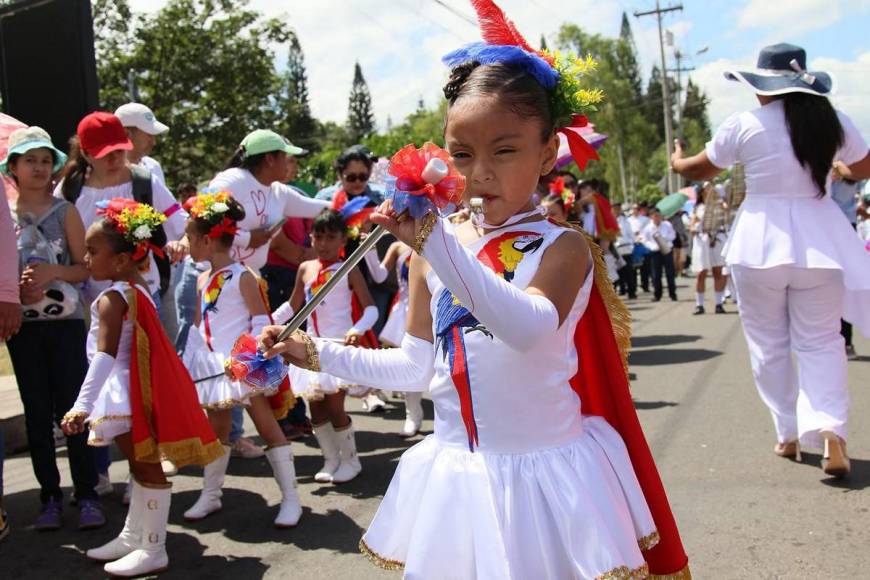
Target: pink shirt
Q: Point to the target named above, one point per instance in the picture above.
(8, 253)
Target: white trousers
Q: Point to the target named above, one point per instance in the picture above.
(788, 310)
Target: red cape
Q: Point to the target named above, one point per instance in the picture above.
(166, 416)
(606, 225)
(602, 340)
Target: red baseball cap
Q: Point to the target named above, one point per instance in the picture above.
(101, 133)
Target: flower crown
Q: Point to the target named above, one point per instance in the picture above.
(557, 187)
(211, 207)
(135, 221)
(565, 76)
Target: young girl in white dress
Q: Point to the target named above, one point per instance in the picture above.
(398, 256)
(507, 325)
(347, 316)
(137, 393)
(231, 304)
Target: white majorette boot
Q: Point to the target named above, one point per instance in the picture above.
(349, 467)
(130, 537)
(281, 460)
(212, 481)
(413, 414)
(326, 438)
(150, 557)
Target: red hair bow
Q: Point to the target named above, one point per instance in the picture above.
(225, 226)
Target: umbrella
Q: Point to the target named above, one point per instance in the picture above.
(587, 132)
(7, 126)
(672, 204)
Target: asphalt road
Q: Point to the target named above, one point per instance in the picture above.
(743, 512)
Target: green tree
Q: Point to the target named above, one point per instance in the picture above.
(620, 116)
(626, 52)
(360, 118)
(203, 66)
(298, 124)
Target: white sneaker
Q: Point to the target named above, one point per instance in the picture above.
(372, 403)
(168, 467)
(104, 485)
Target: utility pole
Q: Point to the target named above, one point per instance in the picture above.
(666, 91)
(680, 57)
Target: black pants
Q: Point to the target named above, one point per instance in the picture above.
(50, 364)
(279, 288)
(846, 332)
(628, 278)
(644, 270)
(660, 261)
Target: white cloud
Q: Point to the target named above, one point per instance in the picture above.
(791, 18)
(852, 80)
(399, 43)
(852, 85)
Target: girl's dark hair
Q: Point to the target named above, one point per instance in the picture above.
(354, 153)
(516, 88)
(118, 243)
(250, 163)
(557, 199)
(328, 220)
(816, 134)
(235, 213)
(74, 172)
(570, 214)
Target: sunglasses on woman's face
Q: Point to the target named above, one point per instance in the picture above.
(354, 177)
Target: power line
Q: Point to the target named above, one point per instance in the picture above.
(456, 12)
(666, 99)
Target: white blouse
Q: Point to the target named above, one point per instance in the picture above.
(264, 207)
(783, 221)
(163, 202)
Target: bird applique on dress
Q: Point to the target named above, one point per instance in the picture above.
(210, 299)
(453, 321)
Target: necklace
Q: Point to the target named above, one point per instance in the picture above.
(478, 219)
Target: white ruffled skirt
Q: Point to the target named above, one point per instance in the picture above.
(219, 392)
(111, 414)
(570, 512)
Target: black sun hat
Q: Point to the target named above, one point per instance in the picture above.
(781, 69)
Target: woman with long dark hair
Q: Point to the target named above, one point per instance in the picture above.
(796, 262)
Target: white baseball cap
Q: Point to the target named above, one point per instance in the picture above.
(139, 116)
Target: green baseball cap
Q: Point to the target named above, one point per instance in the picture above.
(23, 140)
(265, 141)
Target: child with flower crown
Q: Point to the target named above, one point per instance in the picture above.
(136, 393)
(232, 303)
(347, 316)
(537, 467)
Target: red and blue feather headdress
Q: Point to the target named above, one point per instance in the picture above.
(561, 75)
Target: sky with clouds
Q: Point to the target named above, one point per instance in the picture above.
(399, 43)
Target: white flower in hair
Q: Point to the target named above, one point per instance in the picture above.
(220, 207)
(143, 232)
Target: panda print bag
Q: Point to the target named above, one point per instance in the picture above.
(60, 299)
